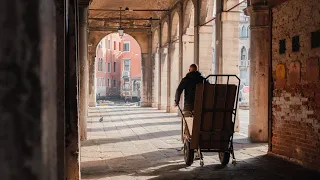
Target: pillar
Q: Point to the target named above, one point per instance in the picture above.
(61, 31)
(146, 98)
(259, 71)
(72, 143)
(227, 43)
(169, 103)
(28, 105)
(92, 81)
(159, 66)
(164, 77)
(84, 71)
(205, 49)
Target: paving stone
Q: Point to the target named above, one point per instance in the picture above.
(142, 143)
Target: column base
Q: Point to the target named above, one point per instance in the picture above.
(146, 104)
(92, 104)
(257, 134)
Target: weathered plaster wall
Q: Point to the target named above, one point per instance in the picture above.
(296, 96)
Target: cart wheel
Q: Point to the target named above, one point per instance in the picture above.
(201, 163)
(224, 158)
(188, 153)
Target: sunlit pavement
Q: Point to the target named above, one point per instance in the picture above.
(142, 143)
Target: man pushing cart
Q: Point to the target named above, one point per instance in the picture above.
(209, 115)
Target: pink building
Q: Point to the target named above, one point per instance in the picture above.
(119, 67)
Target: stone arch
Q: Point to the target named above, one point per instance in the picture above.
(96, 36)
(206, 10)
(188, 19)
(110, 83)
(165, 32)
(175, 26)
(155, 41)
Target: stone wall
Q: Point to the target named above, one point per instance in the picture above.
(296, 95)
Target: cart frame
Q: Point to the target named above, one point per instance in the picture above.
(224, 154)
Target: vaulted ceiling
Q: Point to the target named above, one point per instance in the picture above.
(105, 14)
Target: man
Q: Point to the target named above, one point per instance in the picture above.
(188, 84)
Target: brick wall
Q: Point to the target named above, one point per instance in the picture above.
(296, 95)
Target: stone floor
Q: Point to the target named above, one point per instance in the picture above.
(142, 143)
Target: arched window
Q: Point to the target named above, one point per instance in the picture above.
(248, 31)
(243, 53)
(243, 31)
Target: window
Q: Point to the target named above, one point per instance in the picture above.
(109, 67)
(109, 44)
(108, 82)
(119, 46)
(114, 45)
(114, 66)
(126, 46)
(243, 53)
(243, 32)
(114, 83)
(126, 65)
(248, 31)
(100, 64)
(249, 54)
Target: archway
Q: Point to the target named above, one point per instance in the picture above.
(174, 58)
(118, 70)
(164, 67)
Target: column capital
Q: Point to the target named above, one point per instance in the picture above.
(259, 16)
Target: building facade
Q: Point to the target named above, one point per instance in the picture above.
(118, 67)
(244, 47)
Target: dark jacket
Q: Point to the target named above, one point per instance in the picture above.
(188, 84)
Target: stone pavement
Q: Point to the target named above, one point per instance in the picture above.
(141, 143)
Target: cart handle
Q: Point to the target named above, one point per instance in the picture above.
(184, 119)
(223, 75)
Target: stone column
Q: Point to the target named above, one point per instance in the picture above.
(227, 43)
(92, 81)
(159, 66)
(259, 71)
(72, 142)
(146, 81)
(205, 49)
(28, 92)
(84, 71)
(61, 31)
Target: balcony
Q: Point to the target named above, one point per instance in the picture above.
(244, 63)
(126, 74)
